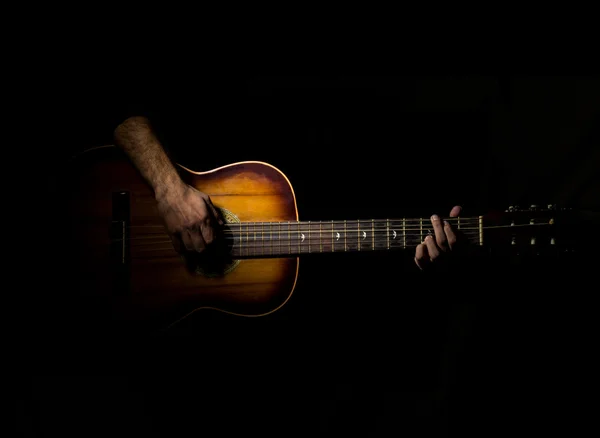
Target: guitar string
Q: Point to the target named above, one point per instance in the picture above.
(327, 243)
(313, 240)
(284, 230)
(232, 235)
(266, 234)
(371, 244)
(337, 222)
(300, 227)
(324, 234)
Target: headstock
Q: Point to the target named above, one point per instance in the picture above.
(536, 230)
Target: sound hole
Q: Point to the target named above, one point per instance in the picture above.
(215, 261)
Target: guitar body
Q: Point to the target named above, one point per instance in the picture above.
(126, 263)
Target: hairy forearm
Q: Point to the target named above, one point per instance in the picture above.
(137, 138)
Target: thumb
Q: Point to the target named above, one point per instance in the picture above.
(217, 215)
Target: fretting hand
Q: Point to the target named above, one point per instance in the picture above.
(446, 241)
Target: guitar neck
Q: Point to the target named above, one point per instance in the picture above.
(281, 239)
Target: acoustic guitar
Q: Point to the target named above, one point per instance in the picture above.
(120, 252)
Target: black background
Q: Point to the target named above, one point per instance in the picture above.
(366, 343)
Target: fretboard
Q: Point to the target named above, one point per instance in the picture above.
(280, 239)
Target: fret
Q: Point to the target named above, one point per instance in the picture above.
(394, 234)
(380, 234)
(345, 239)
(268, 235)
(316, 237)
(289, 238)
(276, 246)
(373, 233)
(237, 245)
(333, 237)
(302, 238)
(366, 236)
(358, 235)
(302, 243)
(428, 230)
(387, 232)
(421, 228)
(251, 247)
(231, 239)
(272, 237)
(262, 239)
(293, 238)
(244, 239)
(247, 239)
(251, 239)
(297, 237)
(376, 236)
(258, 240)
(320, 237)
(338, 237)
(238, 239)
(352, 239)
(257, 244)
(327, 236)
(412, 232)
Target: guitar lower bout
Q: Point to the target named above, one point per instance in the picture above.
(123, 254)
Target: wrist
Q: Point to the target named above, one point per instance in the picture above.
(168, 190)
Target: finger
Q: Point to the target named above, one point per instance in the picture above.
(177, 244)
(187, 240)
(207, 230)
(456, 210)
(450, 235)
(215, 212)
(432, 248)
(197, 238)
(421, 256)
(440, 234)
